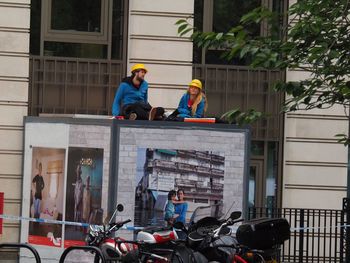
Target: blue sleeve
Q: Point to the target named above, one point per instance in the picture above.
(117, 100)
(200, 109)
(182, 108)
(145, 98)
(168, 212)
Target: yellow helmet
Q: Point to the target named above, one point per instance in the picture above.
(138, 67)
(196, 83)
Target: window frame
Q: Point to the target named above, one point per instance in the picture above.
(71, 36)
(208, 16)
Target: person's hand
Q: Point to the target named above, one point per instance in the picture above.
(178, 202)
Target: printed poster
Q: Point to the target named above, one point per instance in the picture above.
(83, 192)
(46, 195)
(197, 175)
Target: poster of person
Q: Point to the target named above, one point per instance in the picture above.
(46, 195)
(83, 192)
(171, 184)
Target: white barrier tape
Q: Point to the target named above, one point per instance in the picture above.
(131, 228)
(52, 221)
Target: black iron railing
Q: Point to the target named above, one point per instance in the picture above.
(72, 85)
(317, 235)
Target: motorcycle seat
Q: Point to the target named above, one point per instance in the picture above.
(153, 229)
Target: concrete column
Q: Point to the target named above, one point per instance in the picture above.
(153, 40)
(14, 71)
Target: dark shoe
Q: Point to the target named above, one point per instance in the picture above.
(159, 113)
(152, 114)
(132, 116)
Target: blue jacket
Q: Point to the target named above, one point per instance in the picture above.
(181, 210)
(169, 211)
(127, 93)
(185, 111)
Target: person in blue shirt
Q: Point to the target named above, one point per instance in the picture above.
(131, 98)
(169, 212)
(181, 206)
(193, 103)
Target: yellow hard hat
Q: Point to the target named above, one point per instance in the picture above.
(196, 83)
(138, 67)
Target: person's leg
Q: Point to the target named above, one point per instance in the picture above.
(130, 110)
(141, 111)
(156, 113)
(75, 211)
(36, 208)
(172, 116)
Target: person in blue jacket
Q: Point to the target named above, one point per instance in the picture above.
(181, 206)
(131, 98)
(193, 103)
(169, 212)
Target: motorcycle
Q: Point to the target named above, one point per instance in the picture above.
(165, 241)
(102, 237)
(257, 240)
(116, 249)
(212, 237)
(265, 235)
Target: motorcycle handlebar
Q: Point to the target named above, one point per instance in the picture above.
(237, 221)
(124, 222)
(116, 226)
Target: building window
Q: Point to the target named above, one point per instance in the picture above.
(76, 15)
(76, 21)
(220, 16)
(82, 29)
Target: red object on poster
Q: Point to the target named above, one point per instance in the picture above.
(1, 209)
(45, 241)
(69, 243)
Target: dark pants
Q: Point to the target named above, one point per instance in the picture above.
(173, 116)
(142, 110)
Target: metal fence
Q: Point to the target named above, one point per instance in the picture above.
(73, 86)
(317, 235)
(228, 87)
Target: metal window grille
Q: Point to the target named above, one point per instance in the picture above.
(228, 87)
(72, 85)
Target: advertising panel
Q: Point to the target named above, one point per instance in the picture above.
(83, 192)
(46, 195)
(180, 174)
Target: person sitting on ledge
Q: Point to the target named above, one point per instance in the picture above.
(193, 103)
(131, 98)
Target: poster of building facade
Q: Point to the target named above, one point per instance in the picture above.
(46, 195)
(197, 177)
(83, 192)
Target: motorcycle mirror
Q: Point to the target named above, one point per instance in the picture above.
(235, 215)
(120, 208)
